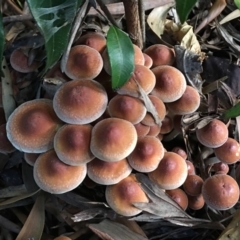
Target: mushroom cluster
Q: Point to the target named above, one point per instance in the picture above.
(87, 129)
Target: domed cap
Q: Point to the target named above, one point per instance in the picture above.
(32, 126)
(144, 77)
(80, 101)
(121, 196)
(20, 62)
(229, 152)
(179, 196)
(108, 173)
(54, 176)
(142, 130)
(62, 238)
(126, 107)
(83, 63)
(154, 130)
(94, 40)
(171, 172)
(193, 185)
(113, 139)
(188, 103)
(147, 154)
(220, 192)
(72, 144)
(148, 62)
(160, 54)
(196, 202)
(213, 135)
(170, 83)
(31, 158)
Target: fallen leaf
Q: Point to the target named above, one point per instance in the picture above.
(230, 16)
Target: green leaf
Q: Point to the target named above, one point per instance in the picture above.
(237, 3)
(233, 112)
(121, 56)
(183, 8)
(54, 18)
(2, 40)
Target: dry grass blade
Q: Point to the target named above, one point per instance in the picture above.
(146, 217)
(232, 231)
(230, 16)
(215, 11)
(18, 198)
(109, 230)
(213, 85)
(13, 191)
(7, 91)
(33, 227)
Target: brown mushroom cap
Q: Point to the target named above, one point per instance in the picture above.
(20, 62)
(171, 172)
(220, 191)
(220, 168)
(193, 185)
(83, 63)
(144, 77)
(229, 152)
(213, 135)
(62, 238)
(147, 154)
(195, 202)
(72, 144)
(32, 126)
(121, 196)
(167, 125)
(108, 173)
(160, 54)
(188, 103)
(170, 83)
(31, 158)
(113, 139)
(190, 167)
(80, 101)
(142, 130)
(148, 61)
(179, 196)
(54, 176)
(94, 40)
(180, 151)
(5, 145)
(126, 107)
(154, 130)
(160, 109)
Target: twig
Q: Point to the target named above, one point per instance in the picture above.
(14, 7)
(74, 30)
(142, 20)
(106, 11)
(133, 21)
(17, 18)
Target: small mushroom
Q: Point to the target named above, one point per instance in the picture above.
(83, 63)
(220, 191)
(179, 196)
(113, 139)
(142, 130)
(32, 126)
(213, 135)
(171, 172)
(148, 61)
(170, 83)
(108, 173)
(193, 185)
(121, 196)
(80, 101)
(72, 144)
(196, 202)
(54, 176)
(31, 158)
(147, 154)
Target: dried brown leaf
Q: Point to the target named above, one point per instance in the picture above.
(230, 16)
(157, 17)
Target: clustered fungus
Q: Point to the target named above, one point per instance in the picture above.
(87, 131)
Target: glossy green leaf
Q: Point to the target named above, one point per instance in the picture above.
(54, 18)
(2, 40)
(237, 3)
(233, 112)
(33, 227)
(121, 56)
(183, 8)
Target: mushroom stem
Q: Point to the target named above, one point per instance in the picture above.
(211, 160)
